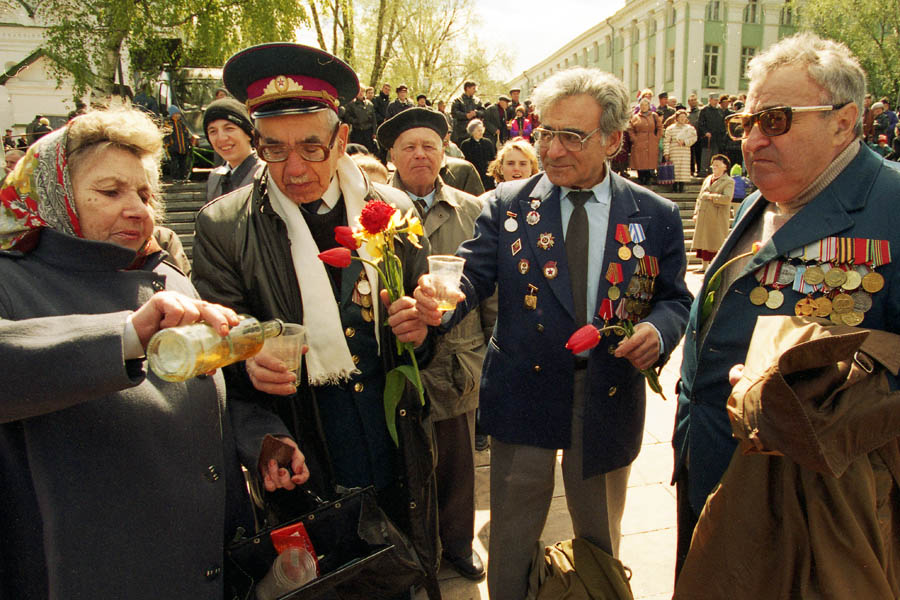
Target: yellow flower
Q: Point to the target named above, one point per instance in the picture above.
(374, 243)
(413, 239)
(415, 226)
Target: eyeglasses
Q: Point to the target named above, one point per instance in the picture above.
(308, 151)
(772, 121)
(571, 141)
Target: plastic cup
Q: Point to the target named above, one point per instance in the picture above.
(446, 272)
(287, 347)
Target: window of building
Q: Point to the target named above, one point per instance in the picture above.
(567, 63)
(787, 14)
(673, 14)
(635, 34)
(651, 26)
(609, 46)
(747, 53)
(651, 71)
(711, 65)
(751, 11)
(714, 10)
(584, 54)
(597, 51)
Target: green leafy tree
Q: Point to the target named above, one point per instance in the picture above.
(870, 29)
(92, 40)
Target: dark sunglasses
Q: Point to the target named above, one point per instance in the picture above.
(772, 121)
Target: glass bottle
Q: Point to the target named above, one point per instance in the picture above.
(179, 353)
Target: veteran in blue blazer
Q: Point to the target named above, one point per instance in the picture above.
(626, 262)
(828, 222)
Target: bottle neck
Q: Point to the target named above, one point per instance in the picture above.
(272, 328)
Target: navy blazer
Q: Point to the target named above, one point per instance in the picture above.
(864, 202)
(528, 376)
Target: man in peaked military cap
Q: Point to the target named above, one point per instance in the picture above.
(256, 251)
(415, 141)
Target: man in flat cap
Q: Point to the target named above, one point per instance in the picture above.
(495, 120)
(401, 103)
(256, 250)
(513, 103)
(414, 138)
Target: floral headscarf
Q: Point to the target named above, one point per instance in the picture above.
(38, 193)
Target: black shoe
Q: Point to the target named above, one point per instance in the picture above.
(469, 567)
(482, 442)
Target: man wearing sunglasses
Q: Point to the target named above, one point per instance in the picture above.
(819, 187)
(573, 246)
(256, 251)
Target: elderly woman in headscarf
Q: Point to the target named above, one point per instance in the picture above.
(113, 483)
(479, 151)
(644, 131)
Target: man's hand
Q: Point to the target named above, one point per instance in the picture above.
(404, 319)
(275, 475)
(734, 374)
(426, 301)
(270, 375)
(471, 114)
(641, 349)
(171, 309)
(708, 135)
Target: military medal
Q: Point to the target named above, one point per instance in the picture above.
(852, 318)
(873, 282)
(852, 281)
(623, 237)
(363, 287)
(531, 297)
(606, 312)
(823, 307)
(550, 270)
(516, 246)
(614, 277)
(510, 224)
(634, 286)
(786, 274)
(814, 275)
(367, 315)
(535, 203)
(545, 241)
(533, 217)
(775, 299)
(759, 295)
(805, 307)
(862, 301)
(523, 266)
(636, 230)
(842, 303)
(361, 293)
(835, 277)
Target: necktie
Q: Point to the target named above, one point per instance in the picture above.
(422, 206)
(577, 236)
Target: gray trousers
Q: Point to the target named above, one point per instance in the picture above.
(521, 491)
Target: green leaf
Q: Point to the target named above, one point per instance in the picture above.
(394, 384)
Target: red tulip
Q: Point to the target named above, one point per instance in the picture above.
(336, 257)
(344, 237)
(584, 339)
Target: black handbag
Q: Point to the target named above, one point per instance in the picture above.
(362, 555)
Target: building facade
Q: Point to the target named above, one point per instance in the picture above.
(682, 47)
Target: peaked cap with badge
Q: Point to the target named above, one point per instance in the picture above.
(411, 118)
(283, 78)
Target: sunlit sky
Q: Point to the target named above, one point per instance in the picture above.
(532, 30)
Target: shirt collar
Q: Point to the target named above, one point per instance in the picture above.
(332, 194)
(602, 191)
(429, 198)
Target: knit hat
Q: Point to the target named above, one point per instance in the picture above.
(230, 110)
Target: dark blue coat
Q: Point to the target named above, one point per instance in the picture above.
(528, 376)
(864, 202)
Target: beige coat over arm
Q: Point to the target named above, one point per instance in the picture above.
(677, 144)
(712, 213)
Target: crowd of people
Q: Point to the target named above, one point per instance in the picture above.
(115, 483)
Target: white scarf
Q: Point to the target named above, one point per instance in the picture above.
(328, 360)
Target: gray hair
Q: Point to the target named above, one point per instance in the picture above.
(473, 125)
(830, 64)
(604, 88)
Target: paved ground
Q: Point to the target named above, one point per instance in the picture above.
(648, 544)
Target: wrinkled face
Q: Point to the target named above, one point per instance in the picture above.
(718, 168)
(673, 102)
(112, 198)
(515, 165)
(478, 132)
(579, 114)
(11, 160)
(300, 180)
(783, 166)
(681, 118)
(229, 141)
(417, 154)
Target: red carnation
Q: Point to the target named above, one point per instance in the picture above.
(336, 257)
(375, 216)
(344, 237)
(584, 339)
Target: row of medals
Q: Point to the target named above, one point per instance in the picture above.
(843, 302)
(640, 287)
(362, 297)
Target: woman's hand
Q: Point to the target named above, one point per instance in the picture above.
(171, 309)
